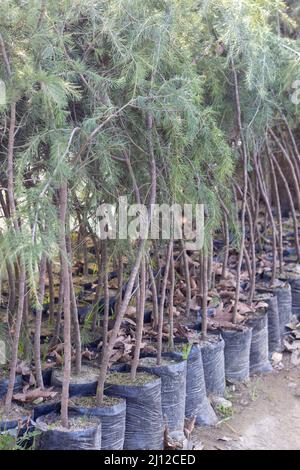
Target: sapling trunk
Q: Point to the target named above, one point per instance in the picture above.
(38, 322)
(252, 248)
(204, 295)
(139, 320)
(120, 280)
(63, 200)
(292, 207)
(187, 279)
(162, 302)
(100, 278)
(22, 271)
(269, 209)
(279, 216)
(57, 326)
(244, 200)
(154, 295)
(74, 310)
(11, 288)
(226, 244)
(290, 164)
(210, 262)
(135, 269)
(106, 295)
(16, 337)
(51, 292)
(171, 300)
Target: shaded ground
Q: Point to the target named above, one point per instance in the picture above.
(266, 415)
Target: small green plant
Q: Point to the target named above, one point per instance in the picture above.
(186, 349)
(10, 441)
(225, 411)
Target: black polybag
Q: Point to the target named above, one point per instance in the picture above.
(197, 403)
(237, 354)
(214, 365)
(284, 300)
(295, 286)
(17, 386)
(54, 439)
(112, 423)
(46, 408)
(273, 326)
(173, 389)
(144, 421)
(259, 350)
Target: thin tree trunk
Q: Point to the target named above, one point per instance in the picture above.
(38, 323)
(290, 164)
(74, 310)
(51, 292)
(120, 280)
(226, 244)
(187, 279)
(253, 254)
(154, 296)
(245, 182)
(139, 321)
(269, 209)
(162, 303)
(171, 300)
(290, 197)
(16, 337)
(278, 208)
(106, 296)
(135, 269)
(204, 295)
(63, 200)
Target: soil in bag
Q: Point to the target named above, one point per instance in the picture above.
(197, 403)
(237, 354)
(172, 372)
(112, 414)
(80, 385)
(259, 349)
(84, 433)
(144, 420)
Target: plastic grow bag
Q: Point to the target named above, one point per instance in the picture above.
(237, 354)
(76, 389)
(273, 326)
(4, 385)
(295, 288)
(144, 421)
(197, 403)
(112, 423)
(54, 439)
(259, 350)
(173, 389)
(46, 408)
(284, 300)
(214, 365)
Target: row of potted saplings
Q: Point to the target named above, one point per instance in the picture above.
(134, 415)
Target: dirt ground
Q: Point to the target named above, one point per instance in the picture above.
(265, 414)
